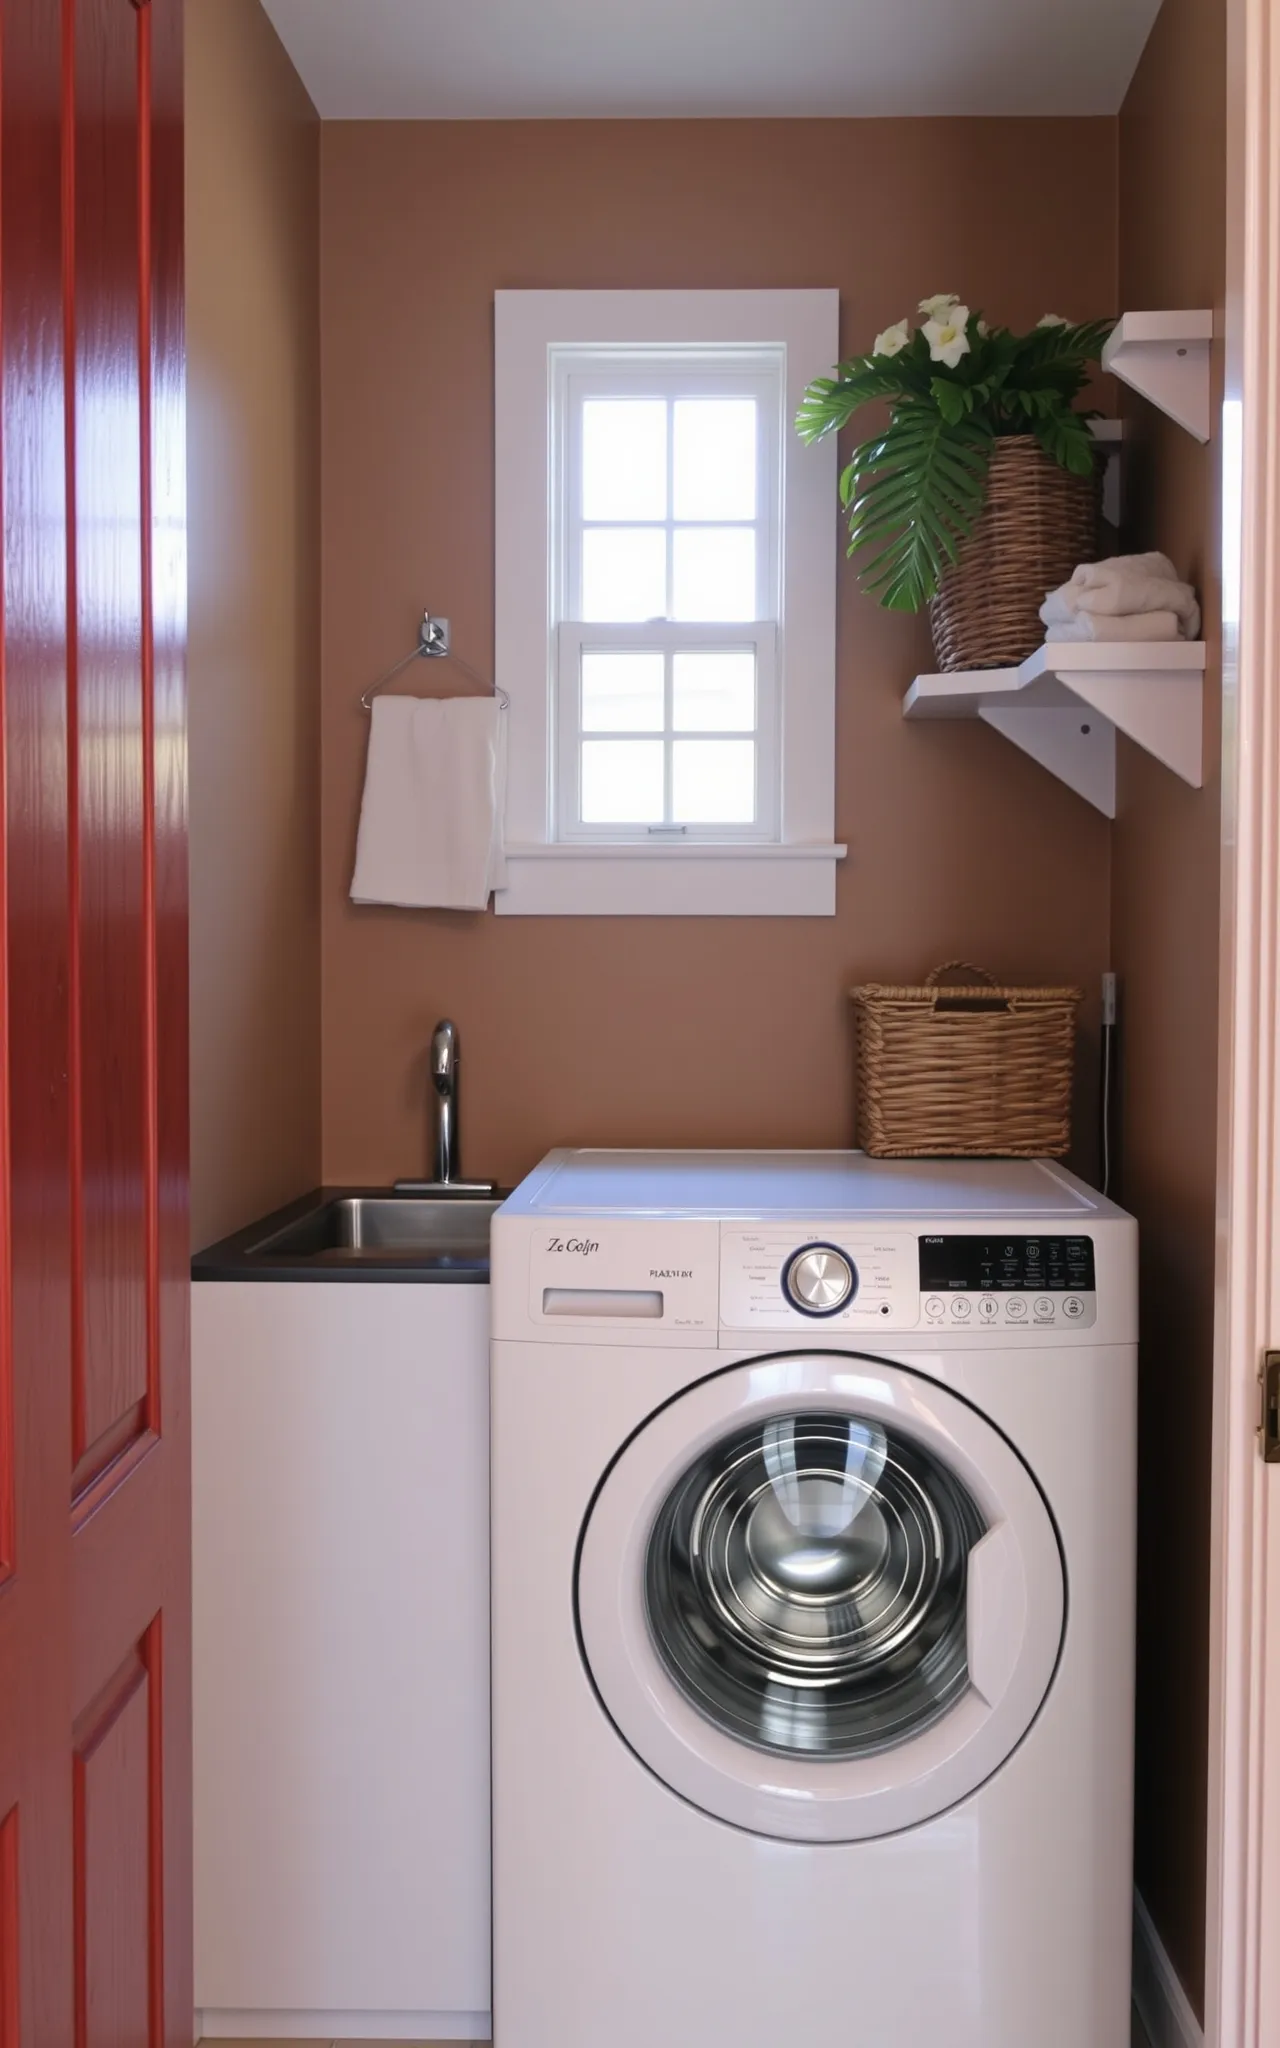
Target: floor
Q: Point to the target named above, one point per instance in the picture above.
(1139, 2041)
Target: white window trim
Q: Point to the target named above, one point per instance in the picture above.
(794, 876)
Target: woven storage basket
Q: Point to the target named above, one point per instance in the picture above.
(969, 1072)
(1038, 524)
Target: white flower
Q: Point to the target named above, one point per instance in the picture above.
(1052, 320)
(948, 337)
(939, 306)
(892, 341)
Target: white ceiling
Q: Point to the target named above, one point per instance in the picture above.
(546, 59)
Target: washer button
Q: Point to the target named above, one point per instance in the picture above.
(988, 1308)
(1016, 1307)
(1073, 1307)
(933, 1307)
(1044, 1307)
(819, 1280)
(961, 1307)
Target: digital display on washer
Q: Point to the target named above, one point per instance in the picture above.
(1054, 1265)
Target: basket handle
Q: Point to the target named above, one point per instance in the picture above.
(950, 966)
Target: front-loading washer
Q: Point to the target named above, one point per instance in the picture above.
(813, 1561)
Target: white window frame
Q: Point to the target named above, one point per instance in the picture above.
(573, 639)
(786, 864)
(577, 375)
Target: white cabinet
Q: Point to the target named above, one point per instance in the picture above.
(341, 1659)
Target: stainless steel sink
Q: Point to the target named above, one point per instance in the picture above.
(431, 1230)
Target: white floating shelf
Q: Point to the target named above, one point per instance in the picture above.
(1165, 356)
(1068, 700)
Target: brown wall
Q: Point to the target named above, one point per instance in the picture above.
(685, 1031)
(253, 331)
(1165, 944)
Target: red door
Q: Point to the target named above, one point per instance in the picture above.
(94, 1490)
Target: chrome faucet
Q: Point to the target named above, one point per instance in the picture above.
(444, 1076)
(446, 1060)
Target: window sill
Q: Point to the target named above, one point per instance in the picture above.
(670, 881)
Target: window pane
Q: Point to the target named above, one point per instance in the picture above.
(622, 692)
(716, 691)
(713, 782)
(624, 458)
(622, 782)
(624, 573)
(715, 458)
(715, 573)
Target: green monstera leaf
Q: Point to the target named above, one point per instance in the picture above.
(913, 494)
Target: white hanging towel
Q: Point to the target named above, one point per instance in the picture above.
(434, 791)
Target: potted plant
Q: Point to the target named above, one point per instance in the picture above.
(982, 492)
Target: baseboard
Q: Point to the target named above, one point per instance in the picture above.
(1163, 2005)
(214, 2024)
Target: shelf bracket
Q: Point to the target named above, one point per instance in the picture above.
(1079, 750)
(1067, 701)
(1165, 356)
(1162, 711)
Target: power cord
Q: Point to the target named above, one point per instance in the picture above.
(1108, 1067)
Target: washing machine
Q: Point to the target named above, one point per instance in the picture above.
(813, 1580)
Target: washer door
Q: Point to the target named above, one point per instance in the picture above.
(822, 1598)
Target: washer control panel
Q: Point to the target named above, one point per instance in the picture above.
(1008, 1282)
(786, 1276)
(783, 1276)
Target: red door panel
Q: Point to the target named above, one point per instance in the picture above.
(107, 364)
(35, 1644)
(9, 1930)
(113, 1904)
(94, 1487)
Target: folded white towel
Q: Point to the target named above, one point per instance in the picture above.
(1055, 611)
(1124, 586)
(1113, 566)
(1136, 594)
(434, 791)
(1136, 626)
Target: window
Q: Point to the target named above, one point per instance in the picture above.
(665, 602)
(667, 597)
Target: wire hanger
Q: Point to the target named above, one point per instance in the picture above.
(433, 644)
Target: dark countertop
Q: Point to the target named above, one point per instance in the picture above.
(236, 1257)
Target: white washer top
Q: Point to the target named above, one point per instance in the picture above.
(807, 1185)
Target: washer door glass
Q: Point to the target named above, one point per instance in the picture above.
(805, 1585)
(819, 1595)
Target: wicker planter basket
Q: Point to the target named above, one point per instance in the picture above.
(1038, 524)
(970, 1072)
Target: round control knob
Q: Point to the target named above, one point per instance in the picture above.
(819, 1280)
